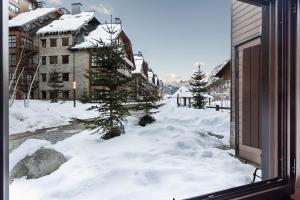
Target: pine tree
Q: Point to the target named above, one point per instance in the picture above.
(198, 88)
(149, 106)
(112, 86)
(55, 84)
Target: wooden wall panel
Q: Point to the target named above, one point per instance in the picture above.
(255, 96)
(246, 98)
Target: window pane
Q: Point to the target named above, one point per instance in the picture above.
(53, 42)
(184, 117)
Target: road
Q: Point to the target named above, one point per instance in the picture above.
(53, 134)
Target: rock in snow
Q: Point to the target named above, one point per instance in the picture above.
(43, 162)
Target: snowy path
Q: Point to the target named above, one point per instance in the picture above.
(173, 158)
(53, 134)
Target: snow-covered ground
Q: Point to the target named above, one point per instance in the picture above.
(171, 158)
(42, 114)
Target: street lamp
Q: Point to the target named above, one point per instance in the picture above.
(74, 93)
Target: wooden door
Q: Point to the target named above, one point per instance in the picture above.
(251, 99)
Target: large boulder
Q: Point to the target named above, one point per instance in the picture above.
(43, 162)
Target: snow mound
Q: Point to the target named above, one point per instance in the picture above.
(174, 157)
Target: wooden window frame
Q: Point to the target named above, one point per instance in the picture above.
(44, 60)
(63, 61)
(63, 40)
(12, 41)
(52, 42)
(64, 77)
(278, 188)
(43, 43)
(44, 77)
(51, 61)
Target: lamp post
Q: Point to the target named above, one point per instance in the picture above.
(74, 93)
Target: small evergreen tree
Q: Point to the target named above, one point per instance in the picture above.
(149, 106)
(198, 88)
(112, 86)
(55, 84)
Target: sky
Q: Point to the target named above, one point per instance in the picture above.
(173, 35)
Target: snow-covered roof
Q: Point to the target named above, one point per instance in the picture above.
(183, 91)
(156, 81)
(27, 17)
(139, 61)
(67, 22)
(218, 68)
(100, 33)
(150, 76)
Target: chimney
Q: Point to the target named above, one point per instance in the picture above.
(40, 4)
(76, 8)
(140, 54)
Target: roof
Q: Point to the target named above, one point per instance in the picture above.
(217, 69)
(150, 75)
(67, 22)
(183, 91)
(27, 17)
(139, 61)
(225, 67)
(100, 33)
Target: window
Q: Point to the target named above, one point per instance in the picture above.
(53, 95)
(65, 42)
(44, 77)
(28, 78)
(44, 60)
(94, 61)
(65, 76)
(43, 41)
(44, 95)
(12, 59)
(187, 150)
(65, 59)
(53, 42)
(66, 94)
(53, 60)
(12, 41)
(13, 8)
(11, 75)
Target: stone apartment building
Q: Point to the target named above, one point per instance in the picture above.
(23, 53)
(66, 43)
(153, 85)
(140, 78)
(55, 41)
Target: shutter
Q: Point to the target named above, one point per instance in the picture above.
(246, 105)
(251, 92)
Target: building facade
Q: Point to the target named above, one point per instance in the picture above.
(24, 52)
(246, 81)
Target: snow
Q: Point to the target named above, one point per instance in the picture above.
(24, 18)
(100, 33)
(42, 114)
(67, 22)
(139, 61)
(174, 157)
(183, 91)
